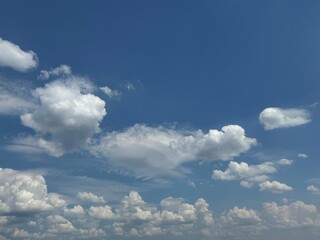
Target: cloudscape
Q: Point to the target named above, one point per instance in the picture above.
(159, 120)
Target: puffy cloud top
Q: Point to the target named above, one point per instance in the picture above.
(25, 192)
(11, 55)
(273, 118)
(68, 112)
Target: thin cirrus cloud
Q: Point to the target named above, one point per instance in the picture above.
(149, 151)
(11, 55)
(273, 118)
(251, 175)
(68, 112)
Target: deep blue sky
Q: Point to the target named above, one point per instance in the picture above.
(194, 65)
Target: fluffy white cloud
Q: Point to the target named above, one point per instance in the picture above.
(149, 151)
(302, 155)
(244, 171)
(111, 93)
(174, 217)
(68, 113)
(11, 55)
(90, 197)
(62, 70)
(250, 175)
(25, 192)
(274, 187)
(273, 118)
(101, 212)
(296, 214)
(76, 211)
(285, 161)
(241, 216)
(313, 189)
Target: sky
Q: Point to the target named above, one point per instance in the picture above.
(159, 119)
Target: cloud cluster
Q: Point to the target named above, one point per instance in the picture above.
(67, 116)
(11, 55)
(29, 211)
(150, 151)
(25, 192)
(272, 118)
(250, 175)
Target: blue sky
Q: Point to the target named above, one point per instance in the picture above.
(159, 119)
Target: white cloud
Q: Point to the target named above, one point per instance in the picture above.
(90, 197)
(11, 55)
(249, 175)
(62, 70)
(101, 212)
(241, 216)
(68, 113)
(273, 118)
(111, 93)
(244, 171)
(274, 187)
(296, 214)
(76, 211)
(302, 155)
(285, 161)
(149, 151)
(313, 189)
(25, 192)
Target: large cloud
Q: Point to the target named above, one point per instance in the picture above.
(11, 55)
(25, 192)
(150, 151)
(273, 118)
(250, 175)
(68, 115)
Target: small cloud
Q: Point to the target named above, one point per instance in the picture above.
(302, 155)
(285, 161)
(314, 189)
(90, 197)
(11, 55)
(62, 70)
(273, 118)
(111, 93)
(274, 187)
(191, 184)
(129, 86)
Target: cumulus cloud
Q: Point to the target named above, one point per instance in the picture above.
(148, 151)
(250, 175)
(11, 55)
(272, 118)
(313, 189)
(61, 71)
(296, 214)
(241, 216)
(67, 116)
(90, 197)
(285, 161)
(25, 192)
(111, 93)
(274, 187)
